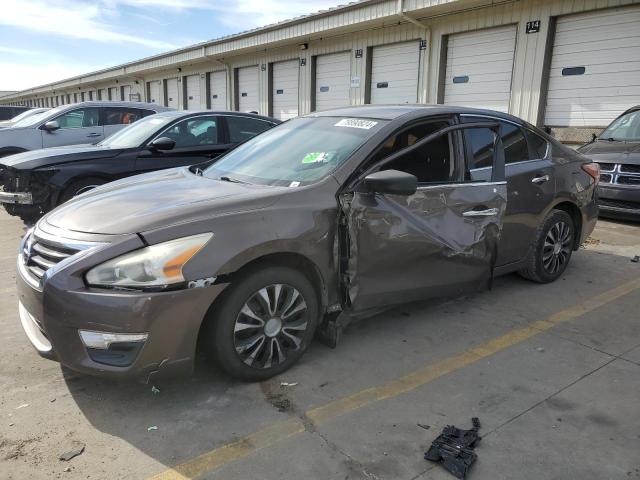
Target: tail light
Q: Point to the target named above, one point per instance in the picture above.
(593, 169)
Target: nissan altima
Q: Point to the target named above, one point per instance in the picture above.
(332, 214)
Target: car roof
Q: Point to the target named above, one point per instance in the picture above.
(195, 113)
(391, 112)
(110, 103)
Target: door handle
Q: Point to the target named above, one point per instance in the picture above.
(93, 135)
(489, 212)
(540, 179)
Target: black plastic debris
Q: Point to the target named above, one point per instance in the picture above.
(636, 259)
(453, 449)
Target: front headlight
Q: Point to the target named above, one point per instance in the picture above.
(155, 266)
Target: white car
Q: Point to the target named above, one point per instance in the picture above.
(74, 124)
(23, 115)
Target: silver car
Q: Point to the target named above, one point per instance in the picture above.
(78, 123)
(12, 121)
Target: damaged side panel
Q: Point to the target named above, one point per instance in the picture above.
(440, 241)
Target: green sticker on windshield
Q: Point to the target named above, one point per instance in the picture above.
(315, 157)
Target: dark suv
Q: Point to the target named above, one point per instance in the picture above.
(344, 211)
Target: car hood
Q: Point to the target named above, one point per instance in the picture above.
(52, 156)
(612, 152)
(158, 199)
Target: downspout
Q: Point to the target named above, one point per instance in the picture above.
(404, 16)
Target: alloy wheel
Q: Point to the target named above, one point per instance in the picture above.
(557, 248)
(270, 325)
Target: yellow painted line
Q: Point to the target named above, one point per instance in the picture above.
(280, 431)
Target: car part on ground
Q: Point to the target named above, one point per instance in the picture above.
(453, 449)
(617, 151)
(35, 182)
(328, 216)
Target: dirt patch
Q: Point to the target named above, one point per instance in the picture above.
(276, 396)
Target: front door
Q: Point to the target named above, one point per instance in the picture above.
(79, 126)
(442, 240)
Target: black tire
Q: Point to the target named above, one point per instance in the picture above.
(226, 341)
(548, 260)
(79, 186)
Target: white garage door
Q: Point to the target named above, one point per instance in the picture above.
(479, 68)
(333, 80)
(155, 92)
(126, 93)
(595, 68)
(102, 94)
(172, 92)
(114, 95)
(285, 89)
(192, 102)
(218, 90)
(394, 73)
(248, 94)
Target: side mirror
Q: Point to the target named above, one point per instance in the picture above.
(51, 125)
(393, 182)
(162, 144)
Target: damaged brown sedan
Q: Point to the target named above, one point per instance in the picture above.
(323, 217)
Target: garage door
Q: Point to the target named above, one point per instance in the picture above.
(332, 80)
(114, 95)
(218, 90)
(595, 68)
(172, 92)
(394, 73)
(192, 102)
(248, 95)
(285, 89)
(479, 68)
(126, 93)
(155, 92)
(102, 94)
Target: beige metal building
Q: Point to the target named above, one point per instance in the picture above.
(572, 65)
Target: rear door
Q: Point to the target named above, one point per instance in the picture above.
(78, 126)
(442, 240)
(198, 140)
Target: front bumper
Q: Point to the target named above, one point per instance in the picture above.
(16, 198)
(55, 309)
(619, 201)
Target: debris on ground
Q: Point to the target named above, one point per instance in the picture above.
(68, 469)
(636, 259)
(24, 405)
(287, 384)
(590, 241)
(540, 349)
(422, 425)
(154, 427)
(52, 400)
(66, 456)
(282, 405)
(155, 390)
(453, 449)
(324, 384)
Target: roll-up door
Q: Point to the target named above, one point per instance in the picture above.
(102, 94)
(595, 68)
(285, 89)
(126, 93)
(114, 95)
(192, 86)
(479, 68)
(332, 80)
(172, 92)
(394, 73)
(248, 95)
(155, 92)
(218, 90)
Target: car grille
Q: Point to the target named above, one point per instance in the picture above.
(626, 204)
(40, 255)
(619, 174)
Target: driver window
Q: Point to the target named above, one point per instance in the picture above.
(431, 163)
(194, 132)
(84, 117)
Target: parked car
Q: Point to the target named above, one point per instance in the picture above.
(35, 182)
(74, 124)
(10, 111)
(346, 211)
(17, 118)
(617, 151)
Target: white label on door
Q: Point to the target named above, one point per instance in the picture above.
(356, 123)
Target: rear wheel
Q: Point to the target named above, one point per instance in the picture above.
(552, 248)
(78, 187)
(264, 323)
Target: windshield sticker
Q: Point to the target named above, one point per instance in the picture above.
(316, 157)
(294, 184)
(356, 123)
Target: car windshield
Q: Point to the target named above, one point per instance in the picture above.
(624, 128)
(26, 114)
(297, 152)
(135, 134)
(37, 118)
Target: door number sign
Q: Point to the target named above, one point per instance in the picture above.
(533, 26)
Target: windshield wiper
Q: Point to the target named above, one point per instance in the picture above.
(232, 180)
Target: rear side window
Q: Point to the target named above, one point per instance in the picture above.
(194, 132)
(514, 143)
(242, 129)
(537, 144)
(480, 143)
(121, 115)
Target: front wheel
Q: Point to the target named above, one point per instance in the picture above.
(79, 187)
(552, 248)
(264, 323)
